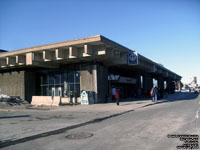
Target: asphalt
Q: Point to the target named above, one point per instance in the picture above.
(25, 125)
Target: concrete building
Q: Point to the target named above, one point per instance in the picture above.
(64, 69)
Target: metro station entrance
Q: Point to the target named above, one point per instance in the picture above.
(126, 85)
(126, 90)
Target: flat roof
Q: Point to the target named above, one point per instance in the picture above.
(98, 39)
(80, 42)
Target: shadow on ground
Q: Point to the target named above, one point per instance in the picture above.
(178, 96)
(20, 116)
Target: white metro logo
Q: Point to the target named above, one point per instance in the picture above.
(132, 57)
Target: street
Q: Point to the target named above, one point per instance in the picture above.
(145, 127)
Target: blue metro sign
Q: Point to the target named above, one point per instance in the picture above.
(133, 58)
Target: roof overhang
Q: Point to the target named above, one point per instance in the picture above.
(94, 48)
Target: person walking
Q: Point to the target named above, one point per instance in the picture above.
(113, 94)
(154, 94)
(117, 96)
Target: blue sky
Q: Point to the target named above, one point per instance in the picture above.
(166, 31)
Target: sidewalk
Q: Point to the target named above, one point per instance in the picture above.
(21, 123)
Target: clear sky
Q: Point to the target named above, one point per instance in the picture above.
(166, 31)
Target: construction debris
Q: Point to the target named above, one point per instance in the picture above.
(9, 101)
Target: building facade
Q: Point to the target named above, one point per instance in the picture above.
(57, 73)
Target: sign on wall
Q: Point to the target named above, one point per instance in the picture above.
(113, 77)
(84, 98)
(133, 58)
(127, 80)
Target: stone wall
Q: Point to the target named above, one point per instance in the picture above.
(12, 83)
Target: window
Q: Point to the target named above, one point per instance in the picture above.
(66, 83)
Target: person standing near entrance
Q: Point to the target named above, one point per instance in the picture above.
(117, 96)
(154, 94)
(113, 94)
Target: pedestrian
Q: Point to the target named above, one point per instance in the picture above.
(117, 96)
(113, 94)
(154, 94)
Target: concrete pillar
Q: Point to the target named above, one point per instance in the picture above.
(30, 85)
(95, 78)
(170, 86)
(173, 87)
(160, 87)
(178, 83)
(139, 86)
(161, 83)
(147, 84)
(102, 83)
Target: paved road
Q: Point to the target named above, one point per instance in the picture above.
(144, 127)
